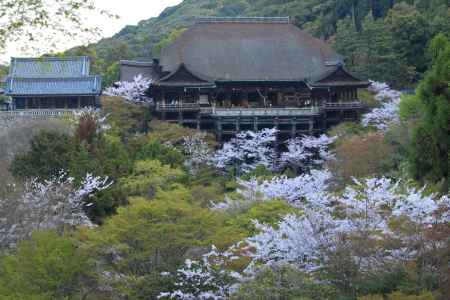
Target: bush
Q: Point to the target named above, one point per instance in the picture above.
(50, 152)
(361, 156)
(46, 267)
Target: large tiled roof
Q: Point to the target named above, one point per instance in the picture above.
(50, 67)
(82, 86)
(130, 69)
(51, 76)
(250, 50)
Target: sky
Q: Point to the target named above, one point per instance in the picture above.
(130, 12)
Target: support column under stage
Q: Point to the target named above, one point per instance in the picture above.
(219, 130)
(311, 127)
(293, 127)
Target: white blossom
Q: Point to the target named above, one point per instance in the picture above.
(304, 242)
(364, 211)
(247, 151)
(48, 205)
(307, 151)
(94, 114)
(206, 279)
(197, 151)
(383, 116)
(134, 91)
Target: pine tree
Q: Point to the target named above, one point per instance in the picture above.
(429, 155)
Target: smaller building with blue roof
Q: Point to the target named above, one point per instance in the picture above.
(52, 83)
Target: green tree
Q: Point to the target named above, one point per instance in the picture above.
(46, 267)
(150, 237)
(150, 175)
(429, 156)
(49, 153)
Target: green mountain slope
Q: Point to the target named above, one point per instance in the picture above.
(348, 24)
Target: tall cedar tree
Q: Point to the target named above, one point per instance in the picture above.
(429, 155)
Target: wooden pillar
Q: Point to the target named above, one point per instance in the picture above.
(79, 102)
(180, 116)
(198, 122)
(255, 124)
(26, 103)
(293, 127)
(219, 130)
(311, 126)
(238, 124)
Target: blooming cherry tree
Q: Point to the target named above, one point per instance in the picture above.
(247, 151)
(48, 205)
(197, 151)
(206, 279)
(134, 91)
(383, 116)
(306, 152)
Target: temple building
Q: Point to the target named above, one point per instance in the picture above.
(52, 83)
(225, 75)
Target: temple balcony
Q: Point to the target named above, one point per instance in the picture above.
(160, 107)
(261, 112)
(355, 104)
(37, 113)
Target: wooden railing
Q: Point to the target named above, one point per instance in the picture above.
(253, 111)
(256, 112)
(37, 113)
(339, 105)
(178, 107)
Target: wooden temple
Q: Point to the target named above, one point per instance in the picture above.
(225, 75)
(52, 83)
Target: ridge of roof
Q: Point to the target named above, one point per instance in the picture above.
(50, 58)
(137, 63)
(282, 20)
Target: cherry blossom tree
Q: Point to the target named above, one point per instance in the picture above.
(362, 221)
(52, 204)
(134, 91)
(197, 152)
(207, 279)
(98, 119)
(307, 152)
(383, 116)
(247, 151)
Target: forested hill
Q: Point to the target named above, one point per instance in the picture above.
(381, 39)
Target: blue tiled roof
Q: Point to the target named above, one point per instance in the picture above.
(50, 67)
(88, 85)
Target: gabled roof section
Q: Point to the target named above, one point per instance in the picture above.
(183, 76)
(82, 86)
(130, 69)
(50, 67)
(338, 76)
(249, 49)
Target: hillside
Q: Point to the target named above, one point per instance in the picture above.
(374, 35)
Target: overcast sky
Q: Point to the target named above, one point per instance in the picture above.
(130, 12)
